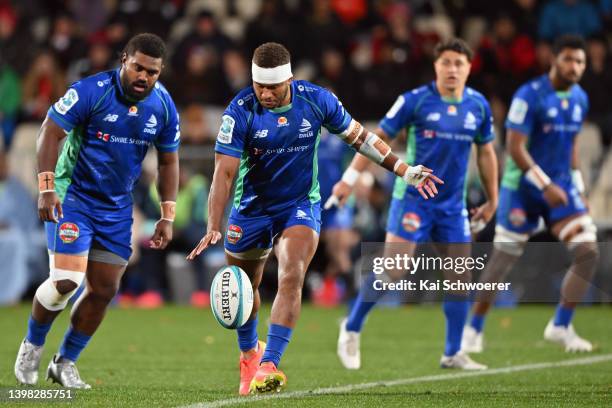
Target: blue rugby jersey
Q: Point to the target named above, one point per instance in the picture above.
(278, 147)
(551, 120)
(440, 136)
(108, 137)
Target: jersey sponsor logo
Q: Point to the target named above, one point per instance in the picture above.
(67, 101)
(517, 217)
(470, 121)
(399, 102)
(429, 134)
(433, 117)
(152, 122)
(234, 233)
(305, 126)
(110, 117)
(577, 114)
(518, 111)
(133, 111)
(103, 136)
(226, 130)
(452, 110)
(261, 134)
(68, 232)
(552, 112)
(411, 222)
(282, 122)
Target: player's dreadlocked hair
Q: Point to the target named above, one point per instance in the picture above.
(271, 55)
(574, 42)
(454, 44)
(148, 44)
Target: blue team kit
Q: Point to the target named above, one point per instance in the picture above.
(277, 149)
(107, 139)
(551, 120)
(441, 132)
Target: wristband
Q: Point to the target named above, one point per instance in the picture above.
(46, 182)
(536, 176)
(578, 180)
(350, 176)
(168, 210)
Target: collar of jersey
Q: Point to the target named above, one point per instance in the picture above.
(285, 108)
(560, 94)
(446, 98)
(122, 95)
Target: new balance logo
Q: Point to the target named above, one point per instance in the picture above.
(152, 122)
(433, 117)
(305, 126)
(110, 118)
(260, 134)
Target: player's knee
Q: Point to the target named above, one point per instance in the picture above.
(51, 298)
(580, 231)
(509, 242)
(64, 286)
(104, 293)
(586, 253)
(291, 280)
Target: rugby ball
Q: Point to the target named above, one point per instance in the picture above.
(231, 297)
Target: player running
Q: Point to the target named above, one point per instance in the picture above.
(110, 120)
(443, 120)
(542, 179)
(269, 137)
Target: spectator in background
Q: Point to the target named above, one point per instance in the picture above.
(272, 25)
(10, 102)
(204, 35)
(99, 58)
(195, 129)
(597, 83)
(190, 221)
(117, 33)
(15, 40)
(524, 13)
(544, 55)
(561, 17)
(43, 84)
(605, 7)
(336, 74)
(65, 41)
(236, 70)
(324, 28)
(18, 226)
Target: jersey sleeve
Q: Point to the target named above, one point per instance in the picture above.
(169, 138)
(232, 133)
(73, 108)
(335, 118)
(399, 115)
(486, 132)
(522, 112)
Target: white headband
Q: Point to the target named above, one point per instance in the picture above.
(270, 76)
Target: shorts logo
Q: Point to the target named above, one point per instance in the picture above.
(234, 233)
(411, 222)
(301, 215)
(68, 232)
(282, 121)
(517, 217)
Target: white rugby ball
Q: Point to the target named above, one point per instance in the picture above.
(231, 297)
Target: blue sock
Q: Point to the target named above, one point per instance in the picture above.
(456, 309)
(478, 322)
(278, 339)
(247, 335)
(37, 332)
(366, 300)
(563, 316)
(74, 342)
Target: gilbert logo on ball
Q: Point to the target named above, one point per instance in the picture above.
(68, 232)
(231, 297)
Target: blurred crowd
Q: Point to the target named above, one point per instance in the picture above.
(366, 51)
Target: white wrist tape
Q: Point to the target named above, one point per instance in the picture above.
(578, 180)
(271, 76)
(374, 148)
(536, 176)
(415, 175)
(350, 176)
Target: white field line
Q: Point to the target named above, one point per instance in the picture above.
(403, 381)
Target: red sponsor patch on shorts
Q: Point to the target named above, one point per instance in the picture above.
(234, 233)
(517, 217)
(411, 221)
(68, 232)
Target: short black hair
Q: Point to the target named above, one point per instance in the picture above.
(571, 41)
(148, 44)
(271, 55)
(453, 44)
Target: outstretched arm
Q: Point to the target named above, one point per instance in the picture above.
(167, 186)
(223, 178)
(47, 148)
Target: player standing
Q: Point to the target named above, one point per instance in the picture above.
(542, 179)
(269, 137)
(443, 120)
(110, 120)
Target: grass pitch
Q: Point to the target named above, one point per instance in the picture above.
(178, 356)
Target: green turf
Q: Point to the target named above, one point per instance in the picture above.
(175, 356)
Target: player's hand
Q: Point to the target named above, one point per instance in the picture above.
(555, 196)
(423, 180)
(340, 193)
(211, 238)
(481, 216)
(49, 207)
(162, 235)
